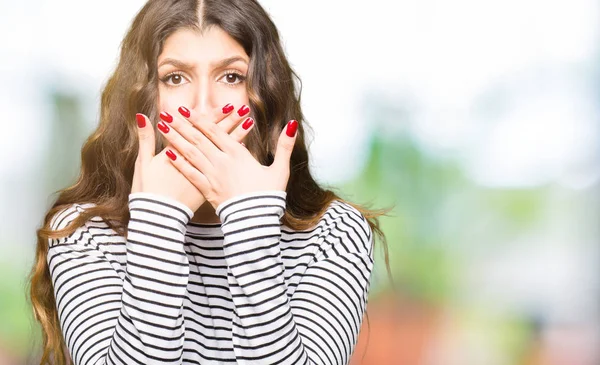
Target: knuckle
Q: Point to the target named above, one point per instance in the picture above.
(227, 124)
(189, 152)
(195, 179)
(287, 146)
(210, 128)
(237, 136)
(144, 135)
(197, 139)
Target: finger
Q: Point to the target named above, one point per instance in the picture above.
(227, 121)
(220, 138)
(145, 138)
(217, 116)
(191, 152)
(197, 178)
(191, 134)
(224, 117)
(285, 146)
(145, 150)
(232, 119)
(242, 130)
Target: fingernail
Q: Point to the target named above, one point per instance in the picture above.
(184, 111)
(163, 127)
(166, 117)
(227, 109)
(291, 128)
(248, 123)
(141, 121)
(243, 110)
(171, 155)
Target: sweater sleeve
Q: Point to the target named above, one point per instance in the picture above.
(320, 322)
(112, 313)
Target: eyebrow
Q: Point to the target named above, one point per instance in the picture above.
(186, 66)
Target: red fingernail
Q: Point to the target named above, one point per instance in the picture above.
(291, 128)
(243, 110)
(248, 123)
(166, 117)
(227, 109)
(171, 155)
(184, 111)
(163, 127)
(141, 121)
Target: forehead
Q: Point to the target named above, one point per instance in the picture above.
(213, 44)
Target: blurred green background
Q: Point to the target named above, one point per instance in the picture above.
(477, 121)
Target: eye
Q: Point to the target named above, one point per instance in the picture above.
(176, 79)
(233, 78)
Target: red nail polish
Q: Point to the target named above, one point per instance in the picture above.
(248, 123)
(243, 110)
(166, 117)
(141, 121)
(163, 127)
(291, 128)
(227, 109)
(171, 155)
(184, 111)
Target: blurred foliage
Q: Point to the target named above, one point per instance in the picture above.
(19, 333)
(438, 215)
(15, 313)
(68, 134)
(397, 174)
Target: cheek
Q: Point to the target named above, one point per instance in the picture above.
(237, 97)
(244, 97)
(171, 100)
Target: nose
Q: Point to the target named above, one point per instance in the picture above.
(204, 98)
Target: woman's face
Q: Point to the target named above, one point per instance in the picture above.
(201, 72)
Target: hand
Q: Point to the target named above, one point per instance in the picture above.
(220, 168)
(155, 174)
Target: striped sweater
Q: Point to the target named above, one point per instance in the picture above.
(248, 290)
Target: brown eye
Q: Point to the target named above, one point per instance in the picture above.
(176, 79)
(232, 78)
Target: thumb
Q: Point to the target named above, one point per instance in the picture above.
(285, 145)
(145, 138)
(145, 150)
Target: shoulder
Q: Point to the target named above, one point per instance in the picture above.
(64, 217)
(345, 229)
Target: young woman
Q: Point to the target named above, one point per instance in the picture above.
(202, 238)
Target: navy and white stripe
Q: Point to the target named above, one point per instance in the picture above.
(247, 291)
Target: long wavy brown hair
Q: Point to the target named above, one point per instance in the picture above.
(108, 155)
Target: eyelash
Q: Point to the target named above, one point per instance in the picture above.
(240, 77)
